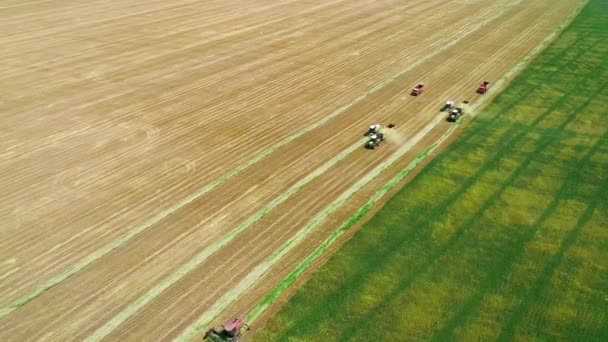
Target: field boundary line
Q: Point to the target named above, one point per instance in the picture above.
(98, 254)
(366, 208)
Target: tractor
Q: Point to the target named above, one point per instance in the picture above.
(373, 129)
(374, 141)
(231, 331)
(376, 135)
(417, 90)
(455, 114)
(483, 88)
(449, 105)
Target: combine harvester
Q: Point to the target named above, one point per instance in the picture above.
(483, 88)
(231, 331)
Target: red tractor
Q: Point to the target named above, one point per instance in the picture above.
(417, 90)
(483, 88)
(231, 331)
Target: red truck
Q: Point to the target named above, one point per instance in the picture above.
(417, 90)
(483, 88)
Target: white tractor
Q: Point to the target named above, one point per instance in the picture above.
(448, 106)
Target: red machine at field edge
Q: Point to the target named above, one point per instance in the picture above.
(483, 88)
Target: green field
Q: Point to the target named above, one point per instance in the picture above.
(503, 236)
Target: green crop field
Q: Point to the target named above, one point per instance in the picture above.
(503, 236)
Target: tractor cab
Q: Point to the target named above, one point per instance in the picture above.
(373, 129)
(448, 106)
(371, 144)
(231, 331)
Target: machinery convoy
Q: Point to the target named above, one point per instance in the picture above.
(232, 331)
(377, 132)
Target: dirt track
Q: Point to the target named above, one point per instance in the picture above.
(136, 137)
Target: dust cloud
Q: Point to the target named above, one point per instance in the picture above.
(394, 137)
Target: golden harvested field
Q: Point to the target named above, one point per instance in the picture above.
(165, 164)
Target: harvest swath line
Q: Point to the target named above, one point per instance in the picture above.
(25, 4)
(221, 180)
(47, 33)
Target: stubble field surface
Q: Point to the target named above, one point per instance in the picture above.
(165, 165)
